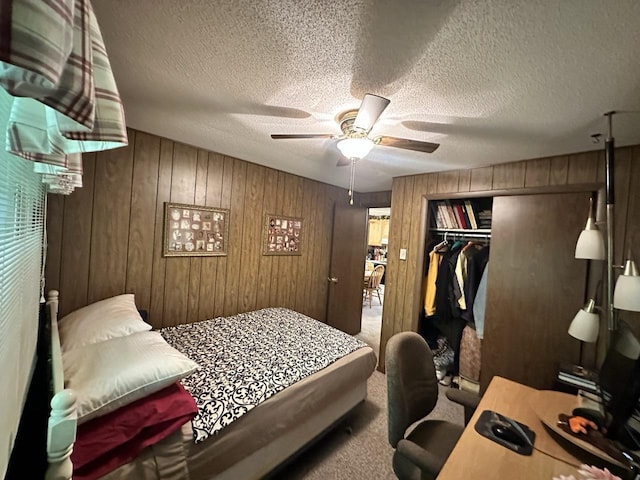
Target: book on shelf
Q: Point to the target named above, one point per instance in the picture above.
(577, 381)
(442, 219)
(472, 217)
(460, 215)
(578, 371)
(578, 376)
(484, 219)
(446, 222)
(434, 214)
(453, 221)
(465, 215)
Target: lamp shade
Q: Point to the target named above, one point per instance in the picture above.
(355, 147)
(590, 243)
(627, 344)
(586, 324)
(626, 295)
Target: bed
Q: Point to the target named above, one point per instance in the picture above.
(252, 438)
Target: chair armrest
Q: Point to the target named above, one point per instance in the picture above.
(464, 398)
(468, 400)
(424, 460)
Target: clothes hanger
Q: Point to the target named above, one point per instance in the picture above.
(442, 244)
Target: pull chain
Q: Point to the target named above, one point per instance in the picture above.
(352, 179)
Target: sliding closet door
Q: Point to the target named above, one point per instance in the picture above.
(535, 287)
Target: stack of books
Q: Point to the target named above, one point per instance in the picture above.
(579, 377)
(456, 214)
(484, 219)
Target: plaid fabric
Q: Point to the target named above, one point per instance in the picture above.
(73, 92)
(73, 164)
(35, 41)
(109, 129)
(74, 95)
(81, 111)
(38, 133)
(63, 183)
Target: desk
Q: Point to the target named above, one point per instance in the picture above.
(478, 457)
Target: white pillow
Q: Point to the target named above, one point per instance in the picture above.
(108, 375)
(110, 318)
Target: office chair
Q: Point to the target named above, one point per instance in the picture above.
(468, 400)
(412, 393)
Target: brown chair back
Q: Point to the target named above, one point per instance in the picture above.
(376, 276)
(412, 386)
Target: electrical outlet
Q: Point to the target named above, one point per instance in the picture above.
(403, 254)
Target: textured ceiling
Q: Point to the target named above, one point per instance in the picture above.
(490, 80)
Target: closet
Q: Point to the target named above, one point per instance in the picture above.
(534, 285)
(456, 256)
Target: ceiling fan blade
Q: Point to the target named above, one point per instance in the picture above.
(426, 147)
(282, 136)
(370, 110)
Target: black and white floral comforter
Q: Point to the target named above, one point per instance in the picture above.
(247, 358)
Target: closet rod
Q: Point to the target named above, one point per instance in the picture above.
(459, 234)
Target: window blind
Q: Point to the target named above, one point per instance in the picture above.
(22, 211)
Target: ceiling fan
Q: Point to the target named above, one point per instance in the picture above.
(355, 142)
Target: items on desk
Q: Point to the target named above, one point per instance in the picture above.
(578, 376)
(591, 434)
(590, 473)
(592, 415)
(505, 431)
(580, 425)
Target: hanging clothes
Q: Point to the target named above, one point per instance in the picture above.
(454, 290)
(461, 272)
(434, 260)
(475, 267)
(479, 306)
(447, 316)
(426, 327)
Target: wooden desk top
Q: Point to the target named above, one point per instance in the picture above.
(478, 457)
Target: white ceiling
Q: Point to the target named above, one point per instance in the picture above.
(490, 80)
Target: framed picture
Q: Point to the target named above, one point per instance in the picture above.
(194, 230)
(282, 235)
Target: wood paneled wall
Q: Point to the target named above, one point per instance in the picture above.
(373, 199)
(106, 238)
(403, 282)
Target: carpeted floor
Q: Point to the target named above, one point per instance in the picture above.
(363, 453)
(371, 323)
(358, 448)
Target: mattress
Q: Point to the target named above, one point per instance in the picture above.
(247, 358)
(260, 439)
(280, 414)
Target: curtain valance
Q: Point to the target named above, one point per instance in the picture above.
(59, 96)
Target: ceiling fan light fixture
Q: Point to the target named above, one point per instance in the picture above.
(355, 147)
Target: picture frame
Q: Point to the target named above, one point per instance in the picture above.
(195, 230)
(282, 235)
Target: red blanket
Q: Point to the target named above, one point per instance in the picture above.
(105, 443)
